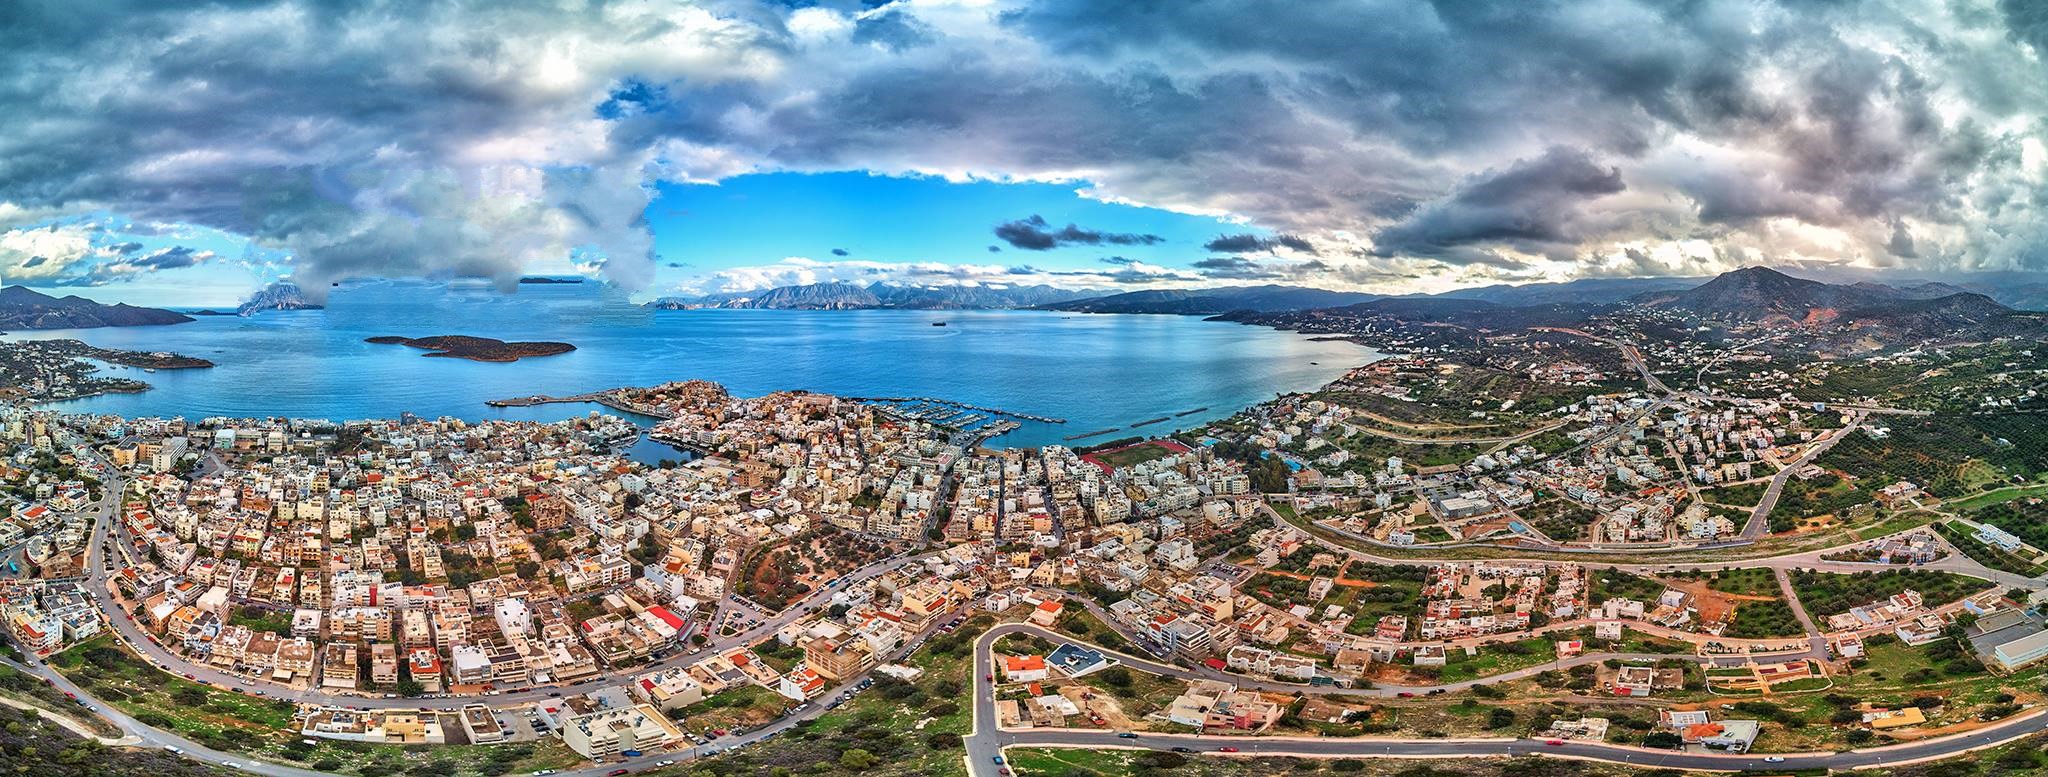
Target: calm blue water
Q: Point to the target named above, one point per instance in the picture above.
(1097, 371)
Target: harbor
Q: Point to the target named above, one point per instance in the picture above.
(933, 404)
(982, 422)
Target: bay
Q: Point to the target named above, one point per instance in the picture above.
(1095, 371)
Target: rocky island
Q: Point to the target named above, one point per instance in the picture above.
(481, 349)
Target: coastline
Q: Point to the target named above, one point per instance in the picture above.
(1099, 372)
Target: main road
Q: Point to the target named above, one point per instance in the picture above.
(988, 741)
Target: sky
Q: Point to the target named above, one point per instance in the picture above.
(190, 153)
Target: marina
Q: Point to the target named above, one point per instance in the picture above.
(932, 401)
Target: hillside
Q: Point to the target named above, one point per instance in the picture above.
(1765, 296)
(25, 308)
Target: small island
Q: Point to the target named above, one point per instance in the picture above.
(481, 349)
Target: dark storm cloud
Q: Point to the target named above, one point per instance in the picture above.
(1034, 234)
(1235, 268)
(1249, 243)
(170, 258)
(1532, 205)
(452, 139)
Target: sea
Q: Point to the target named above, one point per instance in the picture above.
(1094, 371)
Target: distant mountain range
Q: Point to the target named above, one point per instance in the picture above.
(1209, 302)
(1839, 318)
(847, 296)
(25, 308)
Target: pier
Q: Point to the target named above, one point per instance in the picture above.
(1148, 422)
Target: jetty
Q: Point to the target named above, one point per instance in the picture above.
(609, 398)
(1189, 412)
(1086, 435)
(1149, 422)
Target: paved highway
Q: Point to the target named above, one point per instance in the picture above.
(988, 741)
(1760, 518)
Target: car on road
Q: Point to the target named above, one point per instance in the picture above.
(1226, 749)
(1127, 735)
(999, 760)
(1774, 759)
(1405, 695)
(670, 762)
(617, 772)
(1553, 742)
(1183, 749)
(544, 771)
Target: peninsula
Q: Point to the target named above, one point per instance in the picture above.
(482, 349)
(54, 370)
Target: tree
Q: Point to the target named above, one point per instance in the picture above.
(857, 759)
(189, 696)
(410, 688)
(1663, 739)
(1500, 717)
